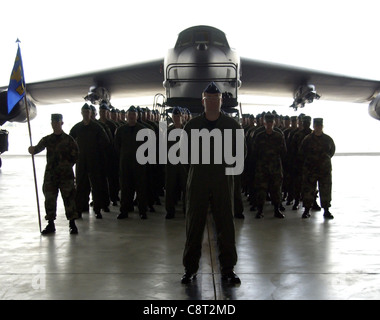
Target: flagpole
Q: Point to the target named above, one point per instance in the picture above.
(34, 166)
(31, 144)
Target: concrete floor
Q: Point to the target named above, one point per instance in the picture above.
(135, 259)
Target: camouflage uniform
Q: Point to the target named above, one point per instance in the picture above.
(268, 153)
(316, 153)
(296, 164)
(62, 153)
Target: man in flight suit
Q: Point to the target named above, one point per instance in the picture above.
(62, 153)
(208, 184)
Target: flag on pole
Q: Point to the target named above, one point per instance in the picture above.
(16, 88)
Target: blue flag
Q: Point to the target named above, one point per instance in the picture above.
(16, 88)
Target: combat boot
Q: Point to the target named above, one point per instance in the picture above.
(231, 277)
(50, 228)
(327, 214)
(277, 213)
(295, 205)
(98, 215)
(72, 227)
(188, 277)
(306, 213)
(259, 214)
(122, 215)
(315, 206)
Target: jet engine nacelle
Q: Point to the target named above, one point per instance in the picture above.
(374, 108)
(18, 113)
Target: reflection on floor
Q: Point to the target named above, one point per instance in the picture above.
(292, 258)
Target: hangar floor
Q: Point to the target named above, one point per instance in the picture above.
(287, 259)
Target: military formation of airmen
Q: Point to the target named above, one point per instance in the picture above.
(285, 162)
(107, 164)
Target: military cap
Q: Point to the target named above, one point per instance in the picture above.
(286, 118)
(113, 110)
(212, 88)
(93, 109)
(104, 106)
(132, 109)
(56, 117)
(86, 107)
(122, 111)
(176, 110)
(268, 117)
(293, 118)
(318, 121)
(251, 116)
(306, 119)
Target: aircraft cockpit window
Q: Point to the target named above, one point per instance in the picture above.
(201, 37)
(196, 37)
(184, 40)
(219, 40)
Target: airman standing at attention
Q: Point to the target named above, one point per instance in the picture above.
(112, 158)
(268, 153)
(62, 153)
(295, 143)
(90, 168)
(316, 152)
(133, 175)
(208, 184)
(175, 174)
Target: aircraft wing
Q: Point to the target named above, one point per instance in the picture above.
(142, 79)
(258, 78)
(270, 79)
